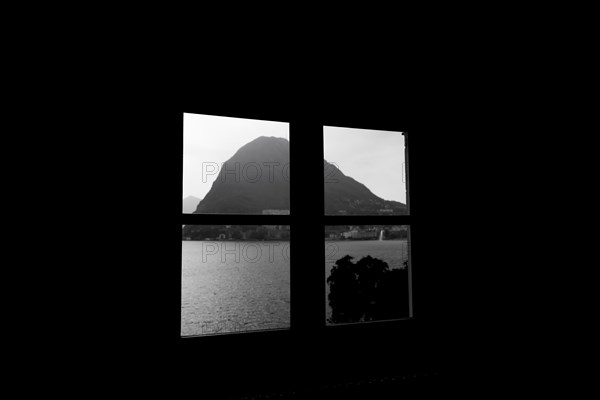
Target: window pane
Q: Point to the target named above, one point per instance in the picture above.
(235, 166)
(367, 273)
(235, 278)
(364, 172)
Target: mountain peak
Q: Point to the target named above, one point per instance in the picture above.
(254, 179)
(265, 139)
(190, 203)
(271, 137)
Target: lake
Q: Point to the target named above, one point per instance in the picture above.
(241, 286)
(230, 286)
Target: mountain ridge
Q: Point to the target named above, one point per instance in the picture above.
(256, 178)
(346, 195)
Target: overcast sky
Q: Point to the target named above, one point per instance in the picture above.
(374, 158)
(211, 139)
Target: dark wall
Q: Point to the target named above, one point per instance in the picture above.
(447, 248)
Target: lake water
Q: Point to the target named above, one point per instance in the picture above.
(241, 286)
(234, 286)
(393, 252)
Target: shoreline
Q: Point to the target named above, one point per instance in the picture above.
(240, 240)
(364, 240)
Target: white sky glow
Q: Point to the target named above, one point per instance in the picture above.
(374, 158)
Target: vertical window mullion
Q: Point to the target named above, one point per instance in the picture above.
(306, 199)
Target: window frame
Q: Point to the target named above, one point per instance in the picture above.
(307, 289)
(234, 219)
(333, 220)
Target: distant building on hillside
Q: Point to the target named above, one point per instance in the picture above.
(361, 234)
(278, 231)
(276, 212)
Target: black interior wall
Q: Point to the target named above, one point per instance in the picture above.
(489, 168)
(447, 248)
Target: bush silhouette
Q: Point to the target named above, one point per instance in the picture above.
(367, 290)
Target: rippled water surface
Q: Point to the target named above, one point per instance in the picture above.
(234, 286)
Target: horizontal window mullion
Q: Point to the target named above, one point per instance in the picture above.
(367, 220)
(235, 219)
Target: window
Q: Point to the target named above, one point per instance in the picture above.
(235, 276)
(235, 166)
(364, 172)
(367, 263)
(241, 212)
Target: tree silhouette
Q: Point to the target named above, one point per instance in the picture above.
(367, 290)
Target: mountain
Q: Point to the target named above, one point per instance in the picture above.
(254, 179)
(189, 204)
(345, 195)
